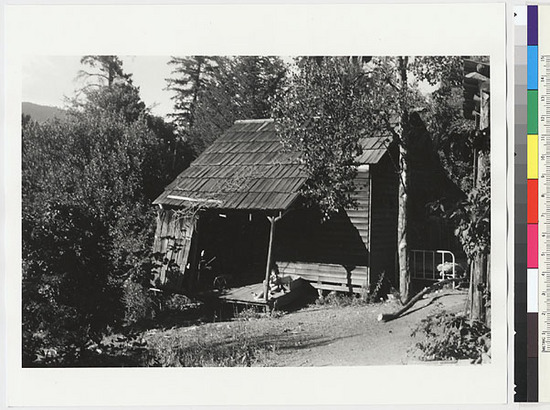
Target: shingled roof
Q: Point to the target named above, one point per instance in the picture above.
(247, 168)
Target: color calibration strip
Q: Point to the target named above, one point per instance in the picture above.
(520, 209)
(532, 211)
(532, 203)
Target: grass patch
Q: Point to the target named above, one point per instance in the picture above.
(223, 345)
(337, 299)
(252, 313)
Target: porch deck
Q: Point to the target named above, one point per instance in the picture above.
(244, 295)
(298, 292)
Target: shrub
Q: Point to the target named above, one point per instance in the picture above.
(178, 303)
(138, 303)
(448, 336)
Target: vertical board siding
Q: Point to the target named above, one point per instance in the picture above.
(173, 239)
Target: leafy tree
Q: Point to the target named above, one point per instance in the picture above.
(168, 155)
(331, 103)
(85, 224)
(121, 98)
(88, 182)
(321, 116)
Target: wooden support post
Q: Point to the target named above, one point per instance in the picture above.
(272, 220)
(269, 256)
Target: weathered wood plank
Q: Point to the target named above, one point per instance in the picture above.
(173, 238)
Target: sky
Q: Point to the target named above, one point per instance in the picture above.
(48, 80)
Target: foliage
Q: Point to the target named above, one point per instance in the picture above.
(87, 185)
(138, 303)
(445, 71)
(452, 134)
(447, 336)
(210, 93)
(458, 142)
(121, 98)
(332, 102)
(85, 220)
(176, 302)
(191, 75)
(321, 116)
(472, 218)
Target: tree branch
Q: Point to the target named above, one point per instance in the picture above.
(386, 317)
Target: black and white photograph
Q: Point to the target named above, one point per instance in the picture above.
(304, 205)
(286, 211)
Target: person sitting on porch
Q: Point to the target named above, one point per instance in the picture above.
(275, 283)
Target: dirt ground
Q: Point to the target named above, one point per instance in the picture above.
(327, 335)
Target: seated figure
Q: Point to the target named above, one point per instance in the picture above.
(275, 283)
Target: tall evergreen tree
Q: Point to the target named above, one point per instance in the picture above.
(210, 93)
(105, 70)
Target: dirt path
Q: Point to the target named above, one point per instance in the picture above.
(352, 335)
(324, 335)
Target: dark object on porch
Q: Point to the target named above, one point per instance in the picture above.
(301, 294)
(240, 202)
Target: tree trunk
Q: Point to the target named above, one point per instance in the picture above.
(478, 276)
(196, 89)
(386, 317)
(402, 229)
(402, 217)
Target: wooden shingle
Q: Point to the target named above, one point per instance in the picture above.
(247, 168)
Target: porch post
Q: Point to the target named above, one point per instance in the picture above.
(268, 266)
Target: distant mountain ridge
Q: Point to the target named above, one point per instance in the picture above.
(41, 113)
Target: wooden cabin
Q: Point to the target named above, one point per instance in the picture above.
(237, 210)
